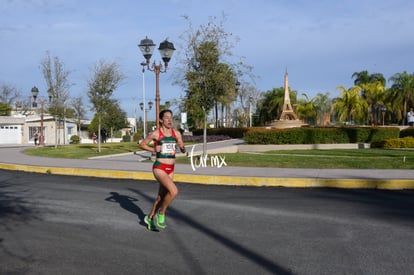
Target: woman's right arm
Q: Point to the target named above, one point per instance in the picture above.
(144, 144)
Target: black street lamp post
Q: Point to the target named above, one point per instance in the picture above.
(250, 110)
(35, 92)
(166, 50)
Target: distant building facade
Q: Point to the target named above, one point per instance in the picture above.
(20, 130)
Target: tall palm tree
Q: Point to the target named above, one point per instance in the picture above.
(402, 92)
(395, 105)
(350, 106)
(364, 77)
(361, 77)
(271, 105)
(323, 105)
(306, 109)
(226, 80)
(374, 94)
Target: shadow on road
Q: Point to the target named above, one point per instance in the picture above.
(13, 205)
(127, 203)
(261, 260)
(390, 205)
(14, 212)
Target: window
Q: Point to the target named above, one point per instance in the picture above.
(32, 130)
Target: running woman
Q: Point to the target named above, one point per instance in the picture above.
(166, 140)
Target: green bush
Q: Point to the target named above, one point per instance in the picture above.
(231, 132)
(393, 143)
(117, 134)
(306, 135)
(407, 132)
(320, 135)
(126, 138)
(137, 136)
(74, 139)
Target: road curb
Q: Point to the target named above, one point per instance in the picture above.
(386, 184)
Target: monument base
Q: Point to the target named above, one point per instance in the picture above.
(281, 124)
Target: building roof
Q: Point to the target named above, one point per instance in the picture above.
(37, 118)
(9, 120)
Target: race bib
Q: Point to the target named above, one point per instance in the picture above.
(168, 148)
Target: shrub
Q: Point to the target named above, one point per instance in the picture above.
(116, 134)
(407, 132)
(209, 138)
(231, 132)
(126, 138)
(392, 143)
(74, 139)
(137, 136)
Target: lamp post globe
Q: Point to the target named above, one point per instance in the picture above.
(35, 92)
(50, 93)
(166, 50)
(147, 47)
(237, 86)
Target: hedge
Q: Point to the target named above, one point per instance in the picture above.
(320, 135)
(407, 132)
(231, 132)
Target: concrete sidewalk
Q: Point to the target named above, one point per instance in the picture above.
(131, 166)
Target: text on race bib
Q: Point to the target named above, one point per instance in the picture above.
(168, 148)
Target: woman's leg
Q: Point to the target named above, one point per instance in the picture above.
(168, 191)
(158, 201)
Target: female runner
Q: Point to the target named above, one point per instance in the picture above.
(166, 140)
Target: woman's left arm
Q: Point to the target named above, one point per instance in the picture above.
(180, 142)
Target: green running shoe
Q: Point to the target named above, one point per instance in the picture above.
(161, 220)
(150, 223)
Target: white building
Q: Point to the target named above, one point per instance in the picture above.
(11, 130)
(20, 130)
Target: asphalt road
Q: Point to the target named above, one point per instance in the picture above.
(53, 224)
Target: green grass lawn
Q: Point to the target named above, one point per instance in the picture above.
(340, 158)
(83, 151)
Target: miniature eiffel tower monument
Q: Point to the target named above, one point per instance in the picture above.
(287, 111)
(288, 118)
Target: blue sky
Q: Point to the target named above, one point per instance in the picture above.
(321, 43)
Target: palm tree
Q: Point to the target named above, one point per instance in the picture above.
(374, 94)
(402, 92)
(361, 77)
(271, 105)
(350, 106)
(306, 109)
(395, 105)
(226, 80)
(323, 105)
(364, 77)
